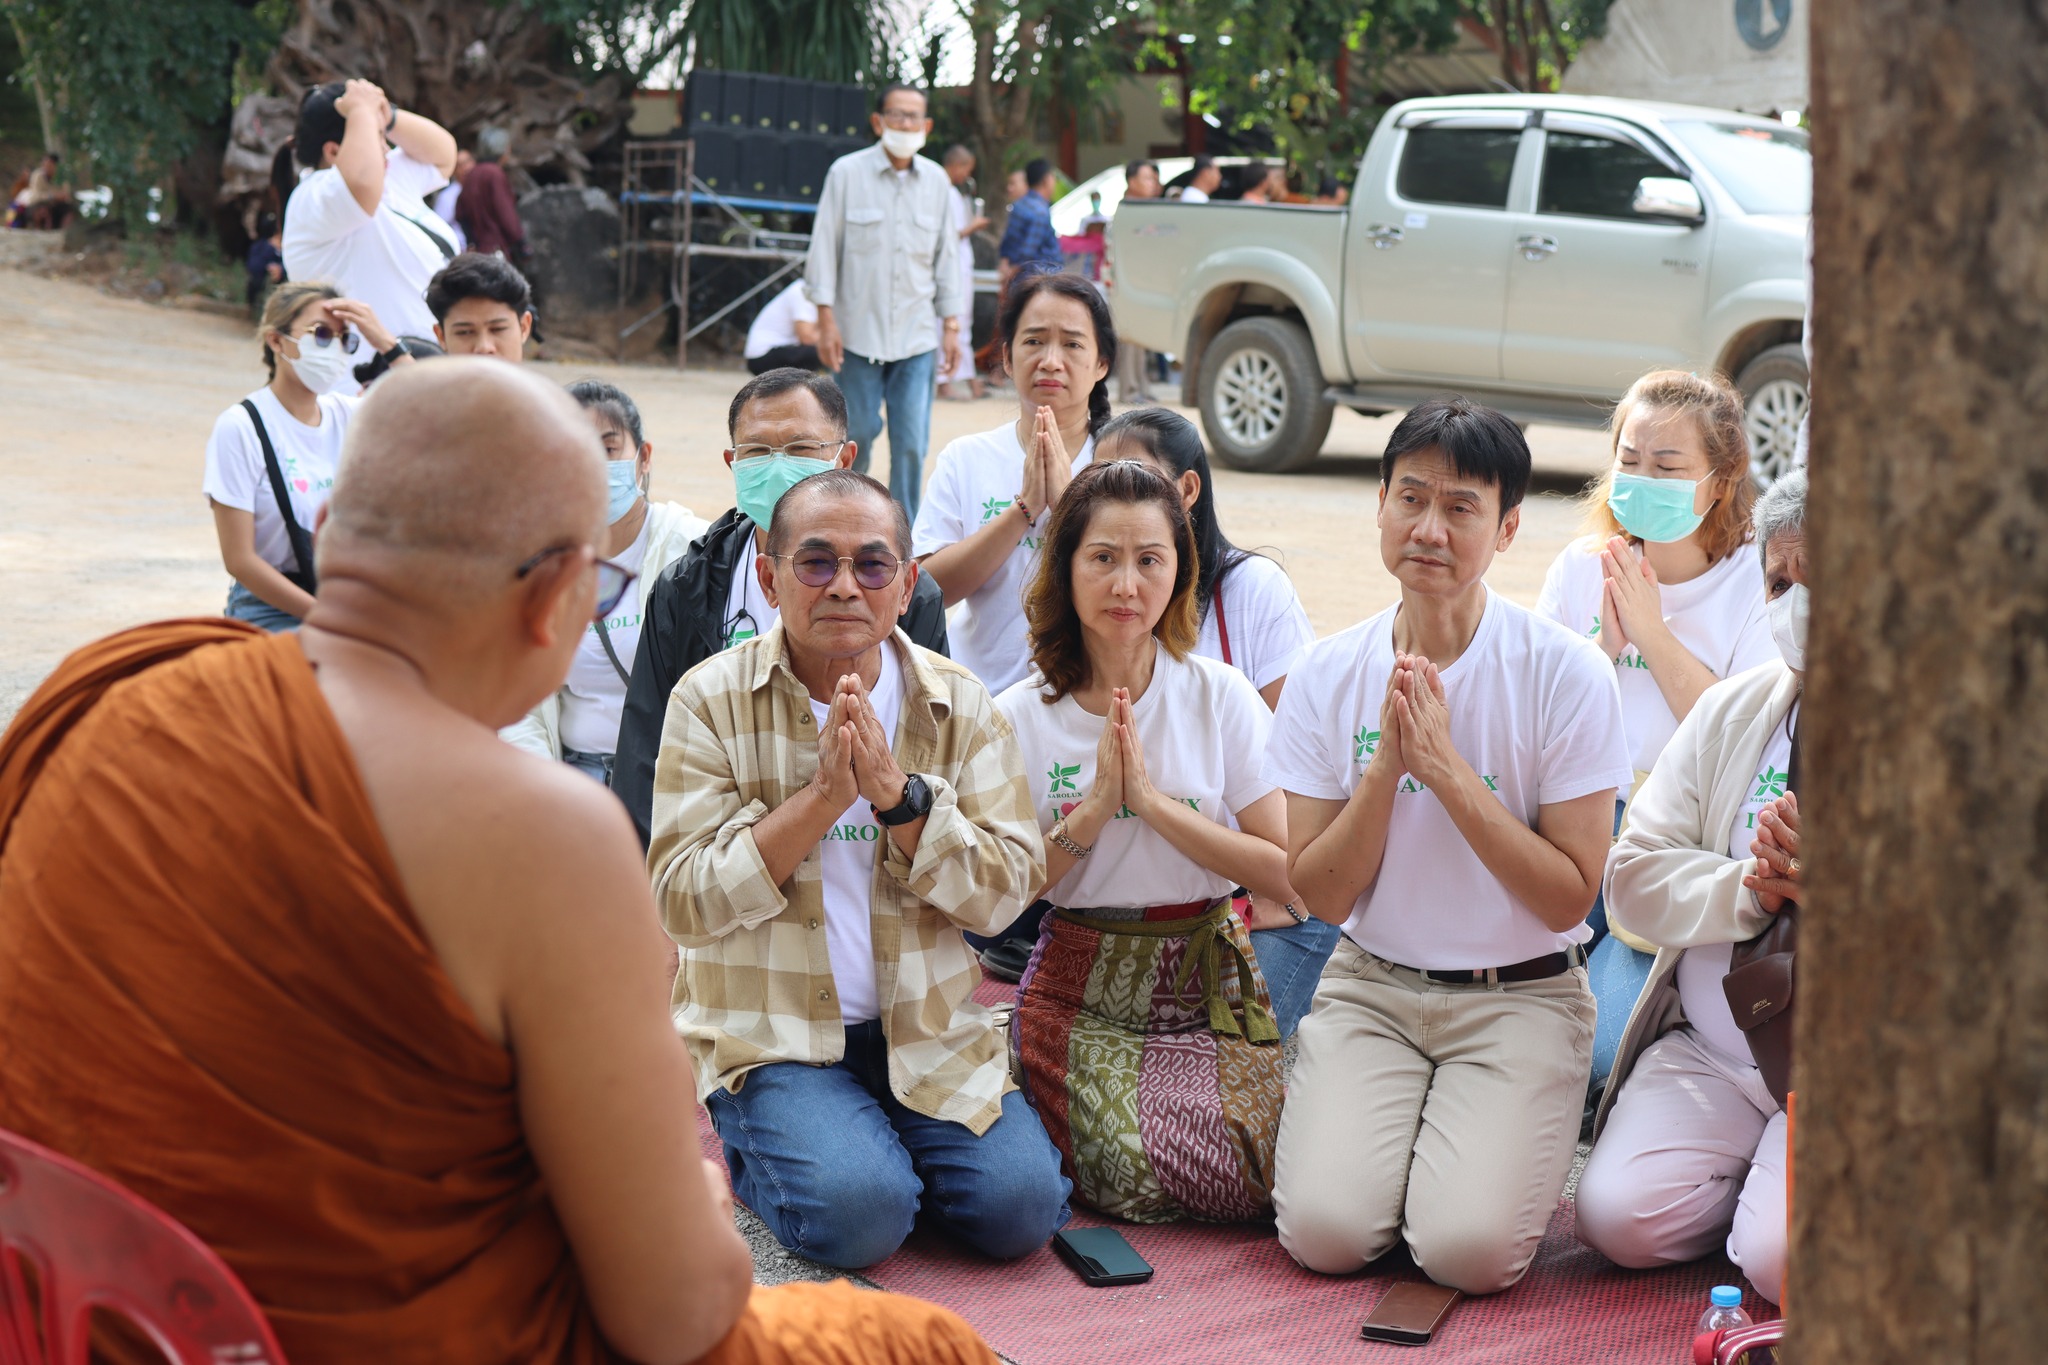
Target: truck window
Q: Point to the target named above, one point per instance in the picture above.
(1593, 177)
(1458, 166)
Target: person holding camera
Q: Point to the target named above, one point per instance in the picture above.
(359, 214)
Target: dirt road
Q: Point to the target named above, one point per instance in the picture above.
(106, 404)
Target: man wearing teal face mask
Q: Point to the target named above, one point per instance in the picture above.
(785, 425)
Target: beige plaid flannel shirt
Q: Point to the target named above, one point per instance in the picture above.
(756, 984)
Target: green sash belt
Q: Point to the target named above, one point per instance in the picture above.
(1209, 940)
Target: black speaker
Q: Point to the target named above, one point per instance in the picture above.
(805, 160)
(760, 163)
(852, 120)
(821, 108)
(717, 158)
(764, 103)
(704, 99)
(738, 101)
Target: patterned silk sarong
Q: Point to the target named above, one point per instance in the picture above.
(1148, 1047)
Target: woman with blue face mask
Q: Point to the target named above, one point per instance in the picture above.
(579, 724)
(1664, 585)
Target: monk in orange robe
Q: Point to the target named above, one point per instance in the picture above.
(293, 946)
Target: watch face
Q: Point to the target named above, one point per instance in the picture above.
(918, 795)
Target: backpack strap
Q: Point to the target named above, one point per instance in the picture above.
(604, 637)
(301, 543)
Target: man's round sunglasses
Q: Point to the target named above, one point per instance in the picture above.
(612, 579)
(872, 569)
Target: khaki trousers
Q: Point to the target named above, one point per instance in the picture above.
(1445, 1116)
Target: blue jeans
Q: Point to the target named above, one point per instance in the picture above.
(1597, 918)
(905, 387)
(1616, 974)
(598, 766)
(244, 605)
(1291, 960)
(838, 1168)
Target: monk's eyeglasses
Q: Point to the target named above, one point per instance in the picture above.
(612, 579)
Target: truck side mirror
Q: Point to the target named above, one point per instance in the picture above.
(1669, 198)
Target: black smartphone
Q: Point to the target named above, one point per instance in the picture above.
(1409, 1313)
(1101, 1256)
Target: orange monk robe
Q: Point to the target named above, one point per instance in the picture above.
(213, 990)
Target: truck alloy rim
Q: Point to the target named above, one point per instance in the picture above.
(1772, 419)
(1251, 397)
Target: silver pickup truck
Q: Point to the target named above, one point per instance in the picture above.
(1536, 253)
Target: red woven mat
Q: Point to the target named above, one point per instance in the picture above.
(1228, 1295)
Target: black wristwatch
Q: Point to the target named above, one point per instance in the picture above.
(398, 348)
(917, 803)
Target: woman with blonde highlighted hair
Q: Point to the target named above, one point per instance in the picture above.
(1661, 583)
(1144, 1027)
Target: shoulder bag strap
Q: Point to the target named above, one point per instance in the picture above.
(301, 543)
(1222, 625)
(604, 637)
(446, 247)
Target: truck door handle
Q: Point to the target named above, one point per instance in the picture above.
(1383, 236)
(1534, 246)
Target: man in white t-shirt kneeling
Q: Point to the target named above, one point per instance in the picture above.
(785, 333)
(1450, 767)
(359, 215)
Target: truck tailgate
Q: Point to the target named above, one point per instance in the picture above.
(1167, 257)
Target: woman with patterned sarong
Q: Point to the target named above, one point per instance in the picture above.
(1144, 1030)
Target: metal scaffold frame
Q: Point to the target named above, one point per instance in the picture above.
(662, 176)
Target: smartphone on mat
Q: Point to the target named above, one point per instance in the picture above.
(1101, 1256)
(1408, 1314)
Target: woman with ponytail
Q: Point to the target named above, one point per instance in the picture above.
(977, 531)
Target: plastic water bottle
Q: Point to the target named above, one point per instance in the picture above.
(1723, 1315)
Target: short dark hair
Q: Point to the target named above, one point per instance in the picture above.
(957, 153)
(1131, 168)
(53, 158)
(769, 383)
(837, 483)
(266, 224)
(1202, 163)
(612, 401)
(1035, 170)
(1479, 442)
(473, 275)
(1026, 287)
(1057, 647)
(319, 123)
(882, 98)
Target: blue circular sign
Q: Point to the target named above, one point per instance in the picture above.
(1762, 23)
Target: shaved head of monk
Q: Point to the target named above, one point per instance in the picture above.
(373, 1002)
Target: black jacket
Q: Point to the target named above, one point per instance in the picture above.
(685, 625)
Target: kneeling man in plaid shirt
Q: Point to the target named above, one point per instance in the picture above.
(833, 805)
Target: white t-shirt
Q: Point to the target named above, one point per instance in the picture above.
(1700, 970)
(1720, 617)
(1534, 711)
(1190, 195)
(384, 259)
(776, 323)
(747, 612)
(1204, 730)
(594, 696)
(976, 478)
(850, 858)
(309, 457)
(1268, 628)
(444, 208)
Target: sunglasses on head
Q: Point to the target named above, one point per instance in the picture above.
(872, 569)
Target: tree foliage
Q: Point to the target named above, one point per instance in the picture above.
(135, 86)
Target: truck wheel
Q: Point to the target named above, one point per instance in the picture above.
(1262, 396)
(1774, 400)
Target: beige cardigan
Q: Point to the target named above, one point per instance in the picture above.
(1669, 877)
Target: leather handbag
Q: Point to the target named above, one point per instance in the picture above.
(1759, 982)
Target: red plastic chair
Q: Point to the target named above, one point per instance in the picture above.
(95, 1245)
(1756, 1345)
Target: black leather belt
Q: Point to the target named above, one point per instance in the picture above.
(1535, 969)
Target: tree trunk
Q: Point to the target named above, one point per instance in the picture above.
(45, 111)
(464, 65)
(1921, 1219)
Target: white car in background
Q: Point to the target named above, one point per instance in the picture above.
(1174, 171)
(1536, 253)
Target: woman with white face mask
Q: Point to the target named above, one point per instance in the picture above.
(579, 724)
(271, 459)
(1689, 1150)
(1663, 584)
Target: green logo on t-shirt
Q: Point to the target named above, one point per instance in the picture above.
(739, 635)
(991, 508)
(1770, 784)
(1062, 777)
(1364, 744)
(867, 834)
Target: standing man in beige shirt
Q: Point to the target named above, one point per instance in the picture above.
(883, 275)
